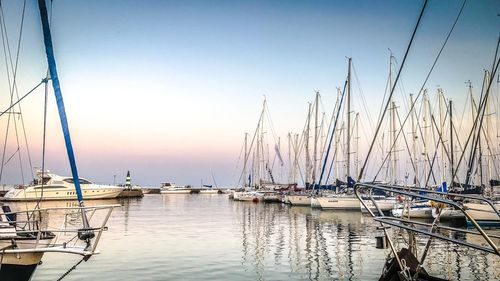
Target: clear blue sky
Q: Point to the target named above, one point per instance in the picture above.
(167, 89)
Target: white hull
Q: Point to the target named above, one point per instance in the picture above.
(315, 203)
(482, 212)
(34, 193)
(248, 196)
(175, 191)
(299, 200)
(340, 203)
(28, 258)
(420, 213)
(448, 214)
(209, 191)
(385, 205)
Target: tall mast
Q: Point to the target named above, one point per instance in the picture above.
(426, 131)
(414, 139)
(356, 124)
(393, 145)
(441, 103)
(451, 143)
(245, 162)
(348, 146)
(308, 159)
(392, 129)
(315, 137)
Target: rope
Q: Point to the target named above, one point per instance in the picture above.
(360, 176)
(425, 81)
(72, 268)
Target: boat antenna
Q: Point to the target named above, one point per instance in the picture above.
(85, 233)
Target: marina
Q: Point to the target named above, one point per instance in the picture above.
(248, 241)
(378, 159)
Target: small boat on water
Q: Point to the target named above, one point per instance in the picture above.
(171, 188)
(50, 186)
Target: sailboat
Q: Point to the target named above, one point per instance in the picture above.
(25, 236)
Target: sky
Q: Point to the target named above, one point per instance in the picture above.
(167, 89)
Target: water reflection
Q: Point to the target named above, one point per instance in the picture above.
(208, 237)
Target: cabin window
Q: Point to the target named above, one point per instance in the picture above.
(82, 181)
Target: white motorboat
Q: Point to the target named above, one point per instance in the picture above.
(171, 188)
(50, 186)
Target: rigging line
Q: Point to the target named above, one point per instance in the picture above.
(427, 77)
(464, 110)
(46, 94)
(473, 129)
(18, 101)
(12, 156)
(482, 108)
(253, 138)
(18, 148)
(4, 31)
(363, 99)
(331, 137)
(238, 162)
(440, 141)
(392, 91)
(488, 142)
(17, 93)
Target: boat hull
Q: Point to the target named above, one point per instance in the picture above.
(15, 272)
(51, 194)
(175, 191)
(340, 203)
(483, 214)
(299, 200)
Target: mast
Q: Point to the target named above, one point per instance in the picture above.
(308, 159)
(315, 149)
(441, 102)
(356, 125)
(426, 131)
(245, 162)
(451, 143)
(414, 139)
(348, 145)
(392, 130)
(393, 145)
(86, 233)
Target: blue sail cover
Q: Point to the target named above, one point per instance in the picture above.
(58, 93)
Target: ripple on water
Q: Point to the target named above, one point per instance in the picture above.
(208, 237)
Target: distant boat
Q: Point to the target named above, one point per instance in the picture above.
(50, 186)
(171, 188)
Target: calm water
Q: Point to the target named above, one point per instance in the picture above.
(208, 237)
